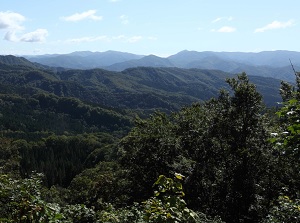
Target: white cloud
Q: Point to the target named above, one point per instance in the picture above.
(134, 39)
(225, 29)
(216, 20)
(230, 18)
(89, 39)
(131, 39)
(38, 35)
(90, 14)
(11, 20)
(275, 25)
(153, 38)
(121, 38)
(124, 19)
(11, 36)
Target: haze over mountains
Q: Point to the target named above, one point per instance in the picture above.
(274, 64)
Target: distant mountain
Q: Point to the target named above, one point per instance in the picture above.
(147, 61)
(267, 64)
(278, 58)
(274, 64)
(185, 57)
(84, 59)
(215, 63)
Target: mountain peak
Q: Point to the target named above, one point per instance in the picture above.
(13, 60)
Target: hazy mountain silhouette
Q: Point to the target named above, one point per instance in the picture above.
(147, 61)
(84, 59)
(268, 63)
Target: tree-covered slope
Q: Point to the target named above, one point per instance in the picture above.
(12, 60)
(37, 100)
(148, 88)
(160, 88)
(53, 114)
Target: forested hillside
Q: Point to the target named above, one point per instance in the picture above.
(144, 88)
(147, 145)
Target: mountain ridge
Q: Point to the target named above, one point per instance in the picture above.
(266, 63)
(140, 88)
(83, 59)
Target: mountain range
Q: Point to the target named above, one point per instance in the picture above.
(138, 88)
(276, 64)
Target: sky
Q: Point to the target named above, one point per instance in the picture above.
(159, 27)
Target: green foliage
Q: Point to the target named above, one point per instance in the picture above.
(78, 213)
(9, 157)
(290, 126)
(129, 214)
(21, 201)
(286, 142)
(148, 151)
(56, 114)
(168, 204)
(95, 187)
(61, 158)
(221, 146)
(286, 210)
(231, 176)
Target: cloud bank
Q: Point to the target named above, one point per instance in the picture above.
(12, 23)
(123, 38)
(11, 20)
(88, 39)
(225, 29)
(275, 25)
(124, 19)
(230, 18)
(90, 14)
(38, 35)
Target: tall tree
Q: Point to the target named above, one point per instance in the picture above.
(221, 146)
(287, 138)
(148, 151)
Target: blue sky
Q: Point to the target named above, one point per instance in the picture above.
(160, 27)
